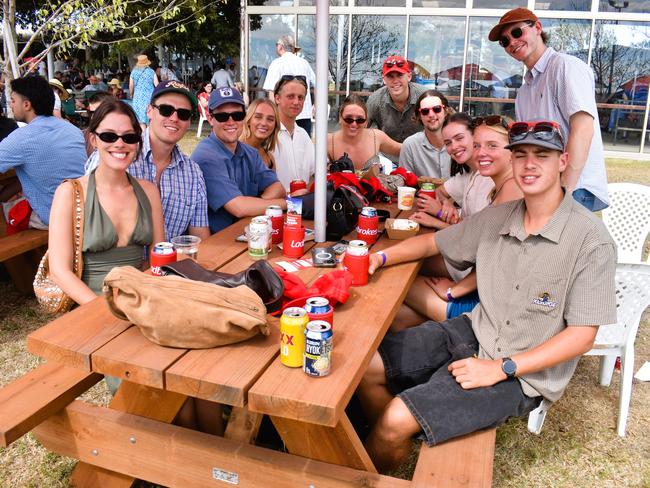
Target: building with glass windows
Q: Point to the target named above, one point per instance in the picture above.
(447, 42)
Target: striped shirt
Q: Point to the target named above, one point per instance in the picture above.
(533, 286)
(182, 187)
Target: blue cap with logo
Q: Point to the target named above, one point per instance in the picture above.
(224, 95)
(174, 86)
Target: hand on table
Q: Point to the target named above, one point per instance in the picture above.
(440, 286)
(375, 262)
(426, 220)
(474, 372)
(428, 204)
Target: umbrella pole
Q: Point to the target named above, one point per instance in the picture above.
(320, 133)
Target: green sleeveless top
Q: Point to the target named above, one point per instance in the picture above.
(100, 253)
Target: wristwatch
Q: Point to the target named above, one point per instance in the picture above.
(509, 367)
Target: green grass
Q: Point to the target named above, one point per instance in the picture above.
(578, 446)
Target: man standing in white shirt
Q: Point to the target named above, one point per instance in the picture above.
(289, 64)
(294, 153)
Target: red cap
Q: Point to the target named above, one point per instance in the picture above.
(511, 17)
(398, 64)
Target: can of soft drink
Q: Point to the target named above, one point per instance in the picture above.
(428, 189)
(297, 185)
(161, 254)
(293, 241)
(274, 213)
(292, 336)
(319, 308)
(357, 262)
(318, 348)
(368, 225)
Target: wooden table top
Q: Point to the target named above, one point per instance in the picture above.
(249, 373)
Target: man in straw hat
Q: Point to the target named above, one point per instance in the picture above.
(545, 268)
(558, 87)
(60, 95)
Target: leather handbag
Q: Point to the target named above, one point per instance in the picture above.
(259, 277)
(50, 296)
(177, 312)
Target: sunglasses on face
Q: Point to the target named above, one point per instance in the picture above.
(515, 33)
(491, 121)
(224, 116)
(543, 131)
(168, 110)
(352, 120)
(436, 110)
(391, 64)
(111, 137)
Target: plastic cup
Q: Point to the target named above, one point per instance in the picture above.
(405, 197)
(186, 246)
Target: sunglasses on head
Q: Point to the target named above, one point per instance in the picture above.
(168, 110)
(436, 110)
(392, 64)
(491, 121)
(224, 116)
(287, 78)
(542, 130)
(352, 120)
(515, 33)
(111, 137)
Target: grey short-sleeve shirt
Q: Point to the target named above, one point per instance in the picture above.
(422, 158)
(533, 286)
(383, 113)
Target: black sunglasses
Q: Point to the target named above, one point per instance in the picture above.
(111, 137)
(542, 130)
(436, 110)
(399, 64)
(491, 120)
(515, 33)
(168, 110)
(352, 120)
(224, 116)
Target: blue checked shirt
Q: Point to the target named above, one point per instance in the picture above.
(44, 153)
(182, 188)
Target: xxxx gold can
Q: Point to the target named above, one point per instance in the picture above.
(292, 336)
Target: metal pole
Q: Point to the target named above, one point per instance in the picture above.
(50, 64)
(320, 134)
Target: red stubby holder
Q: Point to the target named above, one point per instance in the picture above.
(293, 241)
(358, 267)
(368, 229)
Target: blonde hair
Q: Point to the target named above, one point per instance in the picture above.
(271, 141)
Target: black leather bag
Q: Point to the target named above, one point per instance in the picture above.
(344, 163)
(259, 276)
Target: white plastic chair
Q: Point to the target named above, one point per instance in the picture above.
(628, 219)
(201, 120)
(612, 341)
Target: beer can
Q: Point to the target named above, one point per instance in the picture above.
(274, 213)
(292, 336)
(357, 248)
(162, 253)
(369, 211)
(319, 308)
(318, 348)
(368, 225)
(258, 237)
(357, 262)
(293, 241)
(297, 185)
(428, 189)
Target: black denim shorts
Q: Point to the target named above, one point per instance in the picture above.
(416, 361)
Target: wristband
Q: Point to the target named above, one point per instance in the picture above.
(439, 214)
(449, 295)
(383, 258)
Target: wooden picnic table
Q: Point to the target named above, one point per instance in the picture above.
(133, 438)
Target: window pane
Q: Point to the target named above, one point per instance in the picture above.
(621, 62)
(374, 38)
(570, 36)
(637, 6)
(380, 3)
(499, 4)
(490, 73)
(439, 3)
(438, 65)
(269, 3)
(265, 30)
(338, 47)
(570, 5)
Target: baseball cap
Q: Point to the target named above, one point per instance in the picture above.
(397, 64)
(552, 140)
(174, 86)
(514, 15)
(224, 95)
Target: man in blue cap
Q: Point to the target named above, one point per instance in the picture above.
(238, 182)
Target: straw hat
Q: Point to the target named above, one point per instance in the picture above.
(63, 93)
(115, 82)
(143, 60)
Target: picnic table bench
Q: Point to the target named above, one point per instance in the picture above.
(134, 438)
(21, 252)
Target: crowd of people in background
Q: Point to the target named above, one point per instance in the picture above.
(140, 188)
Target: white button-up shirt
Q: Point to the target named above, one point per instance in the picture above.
(294, 156)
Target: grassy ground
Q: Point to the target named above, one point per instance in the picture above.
(578, 446)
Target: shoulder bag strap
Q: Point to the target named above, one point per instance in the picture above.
(77, 226)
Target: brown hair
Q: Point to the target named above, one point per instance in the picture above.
(353, 99)
(463, 119)
(110, 106)
(426, 94)
(271, 141)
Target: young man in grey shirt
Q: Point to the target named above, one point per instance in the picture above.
(558, 87)
(545, 268)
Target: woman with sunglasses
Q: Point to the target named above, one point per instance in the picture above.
(261, 128)
(362, 145)
(122, 215)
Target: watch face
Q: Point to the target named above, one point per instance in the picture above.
(509, 367)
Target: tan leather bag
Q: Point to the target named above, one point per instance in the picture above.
(177, 312)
